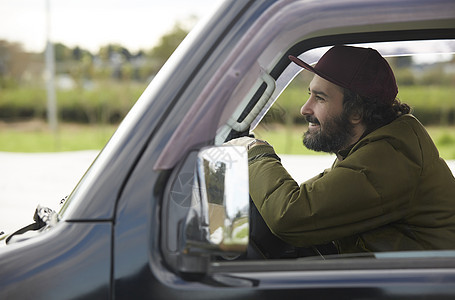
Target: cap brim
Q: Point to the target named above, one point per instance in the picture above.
(301, 63)
(306, 66)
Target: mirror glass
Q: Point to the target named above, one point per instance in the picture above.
(218, 219)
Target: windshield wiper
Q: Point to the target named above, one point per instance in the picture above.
(44, 217)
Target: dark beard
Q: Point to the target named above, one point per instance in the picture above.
(332, 137)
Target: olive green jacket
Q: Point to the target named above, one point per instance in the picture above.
(392, 192)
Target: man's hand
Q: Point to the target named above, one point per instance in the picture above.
(247, 142)
(241, 141)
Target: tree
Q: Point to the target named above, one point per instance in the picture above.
(62, 52)
(116, 60)
(167, 45)
(14, 62)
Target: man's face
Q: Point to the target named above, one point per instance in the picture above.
(329, 128)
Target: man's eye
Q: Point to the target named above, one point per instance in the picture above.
(316, 96)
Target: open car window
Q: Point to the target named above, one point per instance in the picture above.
(425, 75)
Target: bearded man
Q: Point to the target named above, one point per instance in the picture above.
(388, 189)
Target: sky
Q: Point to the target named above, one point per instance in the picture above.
(89, 24)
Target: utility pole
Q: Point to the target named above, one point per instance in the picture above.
(50, 74)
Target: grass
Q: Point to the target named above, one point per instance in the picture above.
(285, 139)
(444, 138)
(288, 140)
(37, 137)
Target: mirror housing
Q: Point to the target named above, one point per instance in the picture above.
(218, 219)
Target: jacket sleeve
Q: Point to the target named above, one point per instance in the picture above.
(369, 189)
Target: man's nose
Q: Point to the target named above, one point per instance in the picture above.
(306, 108)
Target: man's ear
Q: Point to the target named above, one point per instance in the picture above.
(355, 119)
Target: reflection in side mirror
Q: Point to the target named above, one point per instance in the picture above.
(218, 220)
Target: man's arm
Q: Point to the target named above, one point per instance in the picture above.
(357, 195)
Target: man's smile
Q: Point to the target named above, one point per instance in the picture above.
(312, 122)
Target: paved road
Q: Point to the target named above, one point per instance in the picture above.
(27, 180)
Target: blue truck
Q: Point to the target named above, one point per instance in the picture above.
(163, 212)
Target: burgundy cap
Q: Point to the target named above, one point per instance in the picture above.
(361, 70)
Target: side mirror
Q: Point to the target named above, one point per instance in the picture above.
(218, 221)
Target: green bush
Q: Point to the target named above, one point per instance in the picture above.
(445, 139)
(107, 103)
(433, 105)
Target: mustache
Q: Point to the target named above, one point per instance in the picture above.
(312, 119)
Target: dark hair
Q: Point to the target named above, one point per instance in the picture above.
(374, 113)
